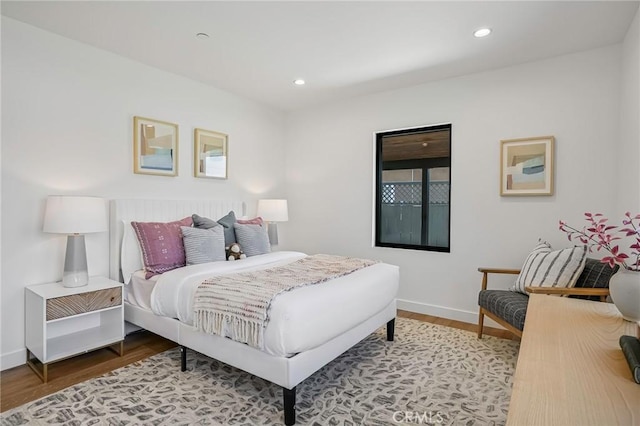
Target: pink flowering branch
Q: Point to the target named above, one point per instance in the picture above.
(633, 230)
(599, 235)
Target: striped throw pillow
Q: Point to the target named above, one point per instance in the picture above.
(547, 268)
(253, 239)
(203, 245)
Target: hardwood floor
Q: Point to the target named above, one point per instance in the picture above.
(20, 385)
(496, 332)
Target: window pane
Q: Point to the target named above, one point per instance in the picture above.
(438, 234)
(401, 213)
(412, 188)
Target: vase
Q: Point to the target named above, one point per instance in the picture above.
(624, 287)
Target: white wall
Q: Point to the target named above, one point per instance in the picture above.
(67, 113)
(629, 146)
(575, 98)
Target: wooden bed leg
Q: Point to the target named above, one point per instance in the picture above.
(391, 329)
(289, 406)
(183, 358)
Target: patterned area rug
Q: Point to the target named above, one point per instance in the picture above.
(429, 375)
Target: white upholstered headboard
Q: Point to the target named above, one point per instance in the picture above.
(124, 252)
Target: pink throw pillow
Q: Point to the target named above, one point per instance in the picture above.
(255, 221)
(161, 245)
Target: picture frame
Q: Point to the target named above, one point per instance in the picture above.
(210, 154)
(155, 147)
(526, 166)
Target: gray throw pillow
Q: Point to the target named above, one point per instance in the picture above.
(227, 222)
(203, 222)
(253, 239)
(203, 245)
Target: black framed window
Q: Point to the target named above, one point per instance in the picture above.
(413, 188)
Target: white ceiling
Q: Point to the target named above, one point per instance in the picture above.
(342, 49)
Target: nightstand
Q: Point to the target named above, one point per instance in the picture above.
(62, 322)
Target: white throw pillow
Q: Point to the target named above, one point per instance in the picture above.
(547, 268)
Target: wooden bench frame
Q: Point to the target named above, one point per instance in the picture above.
(600, 292)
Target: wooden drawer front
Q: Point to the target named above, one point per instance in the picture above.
(103, 298)
(66, 306)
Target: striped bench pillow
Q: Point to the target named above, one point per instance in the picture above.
(547, 268)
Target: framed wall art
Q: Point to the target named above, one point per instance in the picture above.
(210, 154)
(526, 166)
(155, 147)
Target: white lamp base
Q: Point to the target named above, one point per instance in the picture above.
(75, 262)
(75, 279)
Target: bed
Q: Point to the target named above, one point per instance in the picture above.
(294, 347)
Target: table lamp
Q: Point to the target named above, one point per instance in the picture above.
(273, 211)
(75, 216)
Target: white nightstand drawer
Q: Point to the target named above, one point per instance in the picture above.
(66, 306)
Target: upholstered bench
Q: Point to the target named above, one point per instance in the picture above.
(509, 308)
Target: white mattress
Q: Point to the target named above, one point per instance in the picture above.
(299, 320)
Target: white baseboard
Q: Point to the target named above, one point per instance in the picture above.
(13, 359)
(444, 312)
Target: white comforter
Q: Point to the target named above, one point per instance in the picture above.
(300, 319)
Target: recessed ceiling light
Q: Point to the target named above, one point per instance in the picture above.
(202, 36)
(298, 82)
(482, 32)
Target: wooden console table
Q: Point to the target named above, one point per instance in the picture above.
(571, 370)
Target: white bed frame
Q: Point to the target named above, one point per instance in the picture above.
(285, 372)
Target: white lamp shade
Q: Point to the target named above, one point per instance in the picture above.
(74, 215)
(273, 210)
